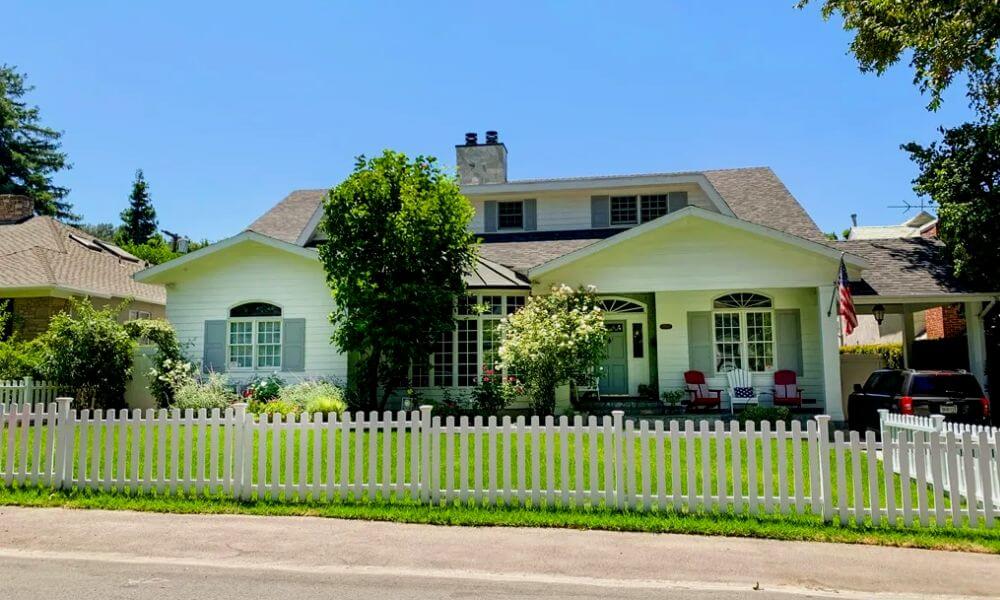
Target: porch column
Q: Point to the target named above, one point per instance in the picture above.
(908, 336)
(829, 335)
(975, 335)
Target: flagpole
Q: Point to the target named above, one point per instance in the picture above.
(836, 284)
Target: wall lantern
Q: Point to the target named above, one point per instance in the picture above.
(878, 311)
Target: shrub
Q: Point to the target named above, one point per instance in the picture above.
(21, 359)
(215, 392)
(301, 394)
(759, 414)
(279, 407)
(169, 377)
(264, 389)
(494, 392)
(170, 370)
(88, 351)
(326, 404)
(891, 354)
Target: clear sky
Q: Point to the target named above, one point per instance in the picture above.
(229, 107)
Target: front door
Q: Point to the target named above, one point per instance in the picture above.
(614, 372)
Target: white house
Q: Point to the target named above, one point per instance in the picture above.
(701, 270)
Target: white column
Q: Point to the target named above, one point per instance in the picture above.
(829, 335)
(908, 336)
(976, 336)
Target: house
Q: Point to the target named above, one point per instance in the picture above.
(923, 224)
(706, 270)
(44, 262)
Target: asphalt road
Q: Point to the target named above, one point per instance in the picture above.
(82, 555)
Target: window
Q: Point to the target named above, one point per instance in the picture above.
(510, 215)
(459, 356)
(637, 341)
(653, 207)
(138, 314)
(254, 340)
(743, 329)
(623, 210)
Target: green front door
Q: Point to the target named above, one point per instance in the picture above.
(614, 374)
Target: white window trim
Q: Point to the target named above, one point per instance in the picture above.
(638, 207)
(521, 203)
(254, 344)
(744, 342)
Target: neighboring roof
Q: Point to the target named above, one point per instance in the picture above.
(907, 267)
(912, 227)
(489, 274)
(289, 219)
(44, 253)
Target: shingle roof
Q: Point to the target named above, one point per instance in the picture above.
(523, 255)
(289, 218)
(489, 274)
(905, 267)
(42, 252)
(757, 195)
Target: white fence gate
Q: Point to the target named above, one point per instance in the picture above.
(418, 457)
(27, 390)
(958, 462)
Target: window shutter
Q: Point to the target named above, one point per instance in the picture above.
(788, 336)
(214, 357)
(530, 208)
(600, 211)
(700, 342)
(293, 345)
(490, 216)
(677, 200)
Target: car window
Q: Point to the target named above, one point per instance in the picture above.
(872, 381)
(887, 382)
(957, 385)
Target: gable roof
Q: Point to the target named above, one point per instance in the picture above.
(755, 194)
(44, 253)
(288, 220)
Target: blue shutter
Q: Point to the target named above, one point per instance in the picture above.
(293, 345)
(677, 201)
(214, 349)
(600, 211)
(490, 216)
(530, 208)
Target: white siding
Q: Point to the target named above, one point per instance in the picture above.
(253, 272)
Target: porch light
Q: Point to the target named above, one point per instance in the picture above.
(878, 311)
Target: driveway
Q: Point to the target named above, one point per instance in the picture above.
(55, 553)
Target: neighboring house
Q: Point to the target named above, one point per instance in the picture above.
(44, 262)
(923, 224)
(705, 270)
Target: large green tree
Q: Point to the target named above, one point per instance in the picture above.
(961, 173)
(29, 151)
(398, 246)
(139, 219)
(942, 38)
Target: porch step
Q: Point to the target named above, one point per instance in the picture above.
(630, 404)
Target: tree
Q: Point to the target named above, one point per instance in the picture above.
(961, 173)
(102, 231)
(29, 152)
(139, 219)
(943, 40)
(553, 339)
(398, 246)
(155, 251)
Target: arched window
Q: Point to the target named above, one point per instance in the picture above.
(616, 305)
(743, 327)
(254, 336)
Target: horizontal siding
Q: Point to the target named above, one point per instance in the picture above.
(252, 272)
(672, 344)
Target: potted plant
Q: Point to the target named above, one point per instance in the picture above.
(672, 401)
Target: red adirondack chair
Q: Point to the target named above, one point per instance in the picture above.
(786, 389)
(701, 395)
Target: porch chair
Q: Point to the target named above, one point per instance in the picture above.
(786, 389)
(587, 383)
(741, 389)
(698, 390)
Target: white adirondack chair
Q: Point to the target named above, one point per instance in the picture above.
(741, 390)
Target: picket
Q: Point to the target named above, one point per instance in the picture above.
(925, 466)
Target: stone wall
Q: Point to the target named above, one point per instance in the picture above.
(31, 315)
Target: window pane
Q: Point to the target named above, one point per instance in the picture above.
(468, 353)
(467, 305)
(623, 210)
(727, 342)
(760, 341)
(255, 309)
(420, 373)
(514, 303)
(491, 343)
(493, 304)
(241, 344)
(637, 345)
(443, 358)
(268, 344)
(510, 215)
(653, 206)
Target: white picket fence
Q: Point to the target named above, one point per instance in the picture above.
(959, 463)
(418, 457)
(27, 390)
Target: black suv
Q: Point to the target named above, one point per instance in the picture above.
(954, 394)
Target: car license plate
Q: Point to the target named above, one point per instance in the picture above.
(949, 410)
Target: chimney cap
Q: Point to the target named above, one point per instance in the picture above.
(492, 137)
(471, 138)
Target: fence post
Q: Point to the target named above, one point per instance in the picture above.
(823, 460)
(618, 417)
(64, 443)
(240, 444)
(28, 391)
(425, 452)
(938, 422)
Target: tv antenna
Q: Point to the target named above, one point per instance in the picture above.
(907, 206)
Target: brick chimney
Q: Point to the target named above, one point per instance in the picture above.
(14, 209)
(481, 163)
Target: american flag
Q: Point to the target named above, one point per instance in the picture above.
(845, 303)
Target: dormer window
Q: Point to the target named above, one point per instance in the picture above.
(510, 215)
(633, 210)
(623, 210)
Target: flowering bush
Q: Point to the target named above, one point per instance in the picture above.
(215, 392)
(170, 376)
(494, 392)
(553, 339)
(263, 389)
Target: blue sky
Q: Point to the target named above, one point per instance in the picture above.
(227, 107)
